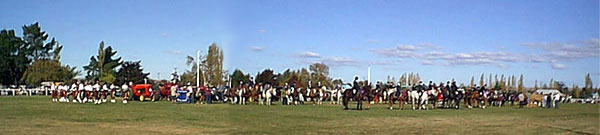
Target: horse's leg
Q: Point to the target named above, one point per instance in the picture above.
(345, 102)
(391, 104)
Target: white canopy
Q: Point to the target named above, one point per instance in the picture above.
(548, 91)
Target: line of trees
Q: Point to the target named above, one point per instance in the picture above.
(34, 58)
(31, 59)
(107, 67)
(317, 72)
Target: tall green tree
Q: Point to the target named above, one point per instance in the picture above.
(36, 46)
(481, 80)
(131, 71)
(102, 66)
(13, 61)
(237, 77)
(521, 86)
(266, 77)
(320, 73)
(214, 65)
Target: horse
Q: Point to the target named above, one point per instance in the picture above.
(315, 96)
(302, 95)
(399, 96)
(232, 95)
(419, 98)
(535, 100)
(434, 96)
(368, 95)
(356, 95)
(267, 96)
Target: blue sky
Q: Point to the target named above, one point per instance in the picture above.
(438, 39)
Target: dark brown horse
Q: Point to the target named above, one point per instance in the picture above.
(356, 95)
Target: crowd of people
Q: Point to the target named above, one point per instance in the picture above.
(448, 94)
(86, 92)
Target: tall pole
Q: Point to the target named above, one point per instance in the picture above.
(369, 75)
(198, 69)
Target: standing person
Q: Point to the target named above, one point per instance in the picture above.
(548, 101)
(284, 98)
(125, 91)
(74, 90)
(88, 92)
(174, 93)
(208, 94)
(96, 91)
(113, 90)
(105, 90)
(80, 91)
(522, 100)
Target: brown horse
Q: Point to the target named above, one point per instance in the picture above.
(401, 99)
(358, 96)
(535, 99)
(471, 98)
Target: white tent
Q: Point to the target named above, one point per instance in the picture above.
(548, 91)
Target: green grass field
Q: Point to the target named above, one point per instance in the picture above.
(37, 115)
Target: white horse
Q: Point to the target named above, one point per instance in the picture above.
(419, 99)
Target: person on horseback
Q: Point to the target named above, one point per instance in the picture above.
(453, 94)
(355, 86)
(420, 88)
(398, 89)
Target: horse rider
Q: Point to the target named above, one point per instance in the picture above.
(420, 88)
(355, 86)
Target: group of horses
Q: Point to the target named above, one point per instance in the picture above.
(421, 96)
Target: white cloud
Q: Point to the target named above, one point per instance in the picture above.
(568, 51)
(309, 54)
(261, 30)
(164, 34)
(173, 52)
(340, 61)
(558, 66)
(257, 48)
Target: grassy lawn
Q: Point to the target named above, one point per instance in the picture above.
(37, 115)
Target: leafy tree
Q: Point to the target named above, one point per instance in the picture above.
(214, 65)
(102, 67)
(35, 46)
(481, 80)
(266, 77)
(13, 61)
(189, 76)
(589, 86)
(473, 82)
(284, 77)
(521, 87)
(237, 77)
(320, 73)
(48, 70)
(131, 71)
